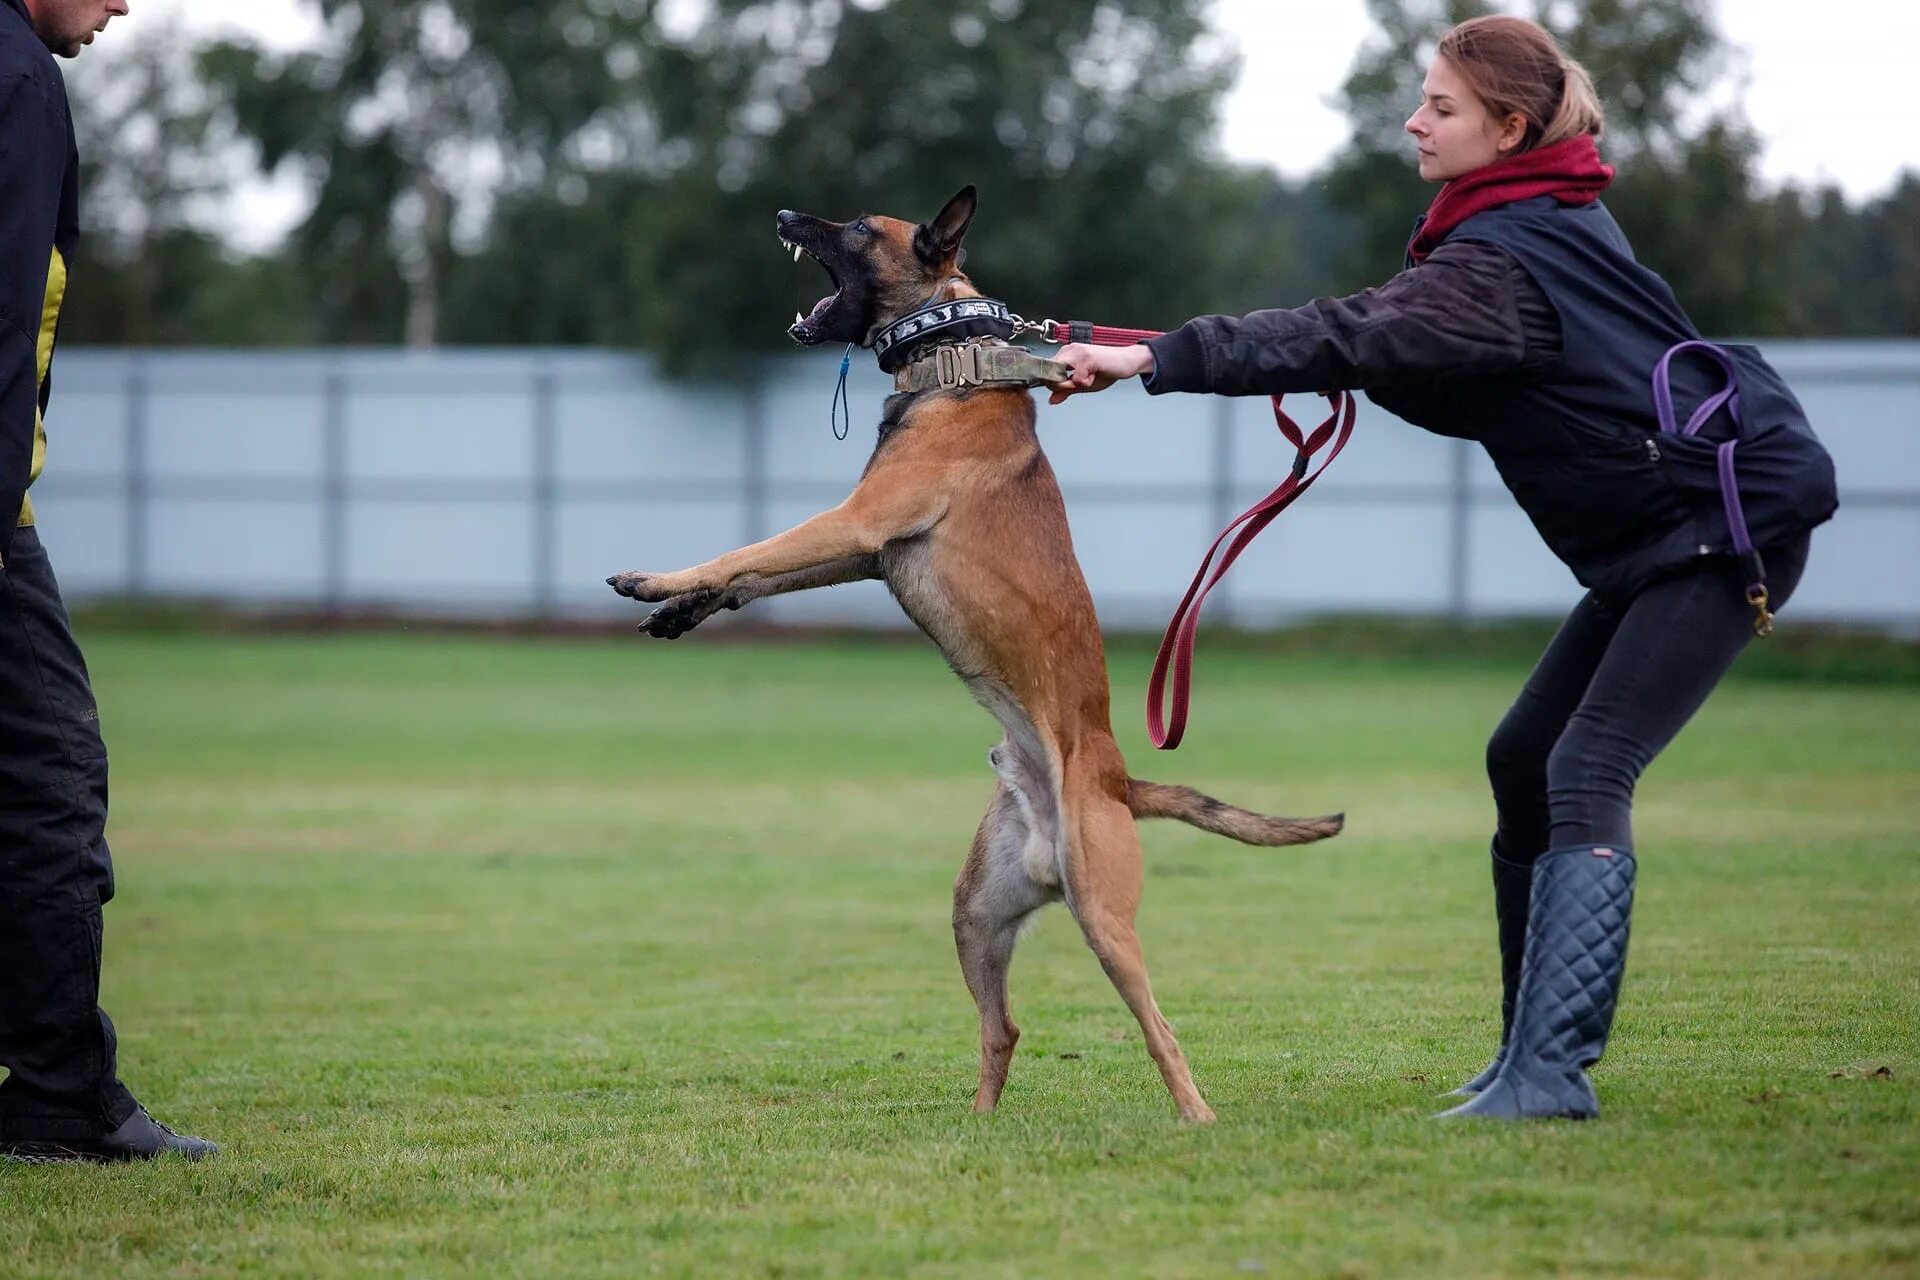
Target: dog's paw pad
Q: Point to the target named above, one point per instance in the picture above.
(681, 614)
(645, 587)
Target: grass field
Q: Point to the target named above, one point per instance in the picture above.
(583, 958)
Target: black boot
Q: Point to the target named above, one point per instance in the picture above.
(1512, 885)
(139, 1137)
(1569, 984)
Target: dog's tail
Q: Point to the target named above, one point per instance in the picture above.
(1157, 800)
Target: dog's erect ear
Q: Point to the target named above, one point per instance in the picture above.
(936, 241)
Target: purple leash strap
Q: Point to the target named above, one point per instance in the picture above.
(1729, 395)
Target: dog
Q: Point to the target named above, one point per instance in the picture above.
(959, 513)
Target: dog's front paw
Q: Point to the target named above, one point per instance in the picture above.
(649, 588)
(682, 614)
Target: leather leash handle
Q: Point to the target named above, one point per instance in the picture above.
(1167, 723)
(1062, 332)
(1165, 728)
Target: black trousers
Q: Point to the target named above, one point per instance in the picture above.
(1619, 681)
(55, 872)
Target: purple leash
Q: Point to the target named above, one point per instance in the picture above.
(1729, 395)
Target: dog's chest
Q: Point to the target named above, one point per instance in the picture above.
(907, 566)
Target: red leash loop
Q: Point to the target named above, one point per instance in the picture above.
(1167, 724)
(1062, 332)
(1176, 647)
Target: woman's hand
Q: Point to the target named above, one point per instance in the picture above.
(1097, 368)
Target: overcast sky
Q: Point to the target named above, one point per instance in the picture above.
(1827, 86)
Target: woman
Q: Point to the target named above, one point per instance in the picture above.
(1522, 321)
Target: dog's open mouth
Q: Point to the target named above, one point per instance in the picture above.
(808, 328)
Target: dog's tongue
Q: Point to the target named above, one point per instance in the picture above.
(821, 306)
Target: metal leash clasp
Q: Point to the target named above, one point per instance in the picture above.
(1762, 619)
(1023, 325)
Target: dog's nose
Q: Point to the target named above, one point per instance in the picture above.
(783, 217)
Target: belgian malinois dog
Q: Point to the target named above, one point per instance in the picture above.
(959, 513)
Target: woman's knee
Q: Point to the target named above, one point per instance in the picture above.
(1517, 755)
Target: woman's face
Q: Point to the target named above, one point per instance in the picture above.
(1455, 131)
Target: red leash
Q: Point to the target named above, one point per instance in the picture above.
(1176, 647)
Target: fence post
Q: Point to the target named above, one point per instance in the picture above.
(1460, 523)
(1222, 498)
(546, 513)
(138, 486)
(333, 486)
(753, 481)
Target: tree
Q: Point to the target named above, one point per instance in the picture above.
(606, 171)
(154, 163)
(1087, 126)
(411, 115)
(1890, 267)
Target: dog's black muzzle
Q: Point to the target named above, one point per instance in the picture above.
(817, 238)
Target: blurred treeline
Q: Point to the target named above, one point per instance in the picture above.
(605, 172)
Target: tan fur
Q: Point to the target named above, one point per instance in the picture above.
(1156, 800)
(959, 511)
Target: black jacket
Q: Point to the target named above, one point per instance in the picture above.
(1533, 331)
(1470, 309)
(39, 229)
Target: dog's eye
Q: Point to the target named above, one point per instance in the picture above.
(861, 226)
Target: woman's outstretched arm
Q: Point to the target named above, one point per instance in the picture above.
(1469, 309)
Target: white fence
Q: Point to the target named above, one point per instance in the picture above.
(512, 482)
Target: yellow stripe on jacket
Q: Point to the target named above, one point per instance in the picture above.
(43, 352)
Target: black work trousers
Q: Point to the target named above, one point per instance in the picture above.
(1619, 681)
(56, 1044)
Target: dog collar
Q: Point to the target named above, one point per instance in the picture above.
(951, 366)
(951, 321)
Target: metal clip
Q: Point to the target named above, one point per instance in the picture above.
(1762, 619)
(957, 367)
(1022, 325)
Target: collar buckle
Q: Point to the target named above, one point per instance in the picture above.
(957, 367)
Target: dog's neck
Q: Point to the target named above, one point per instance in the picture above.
(956, 311)
(954, 286)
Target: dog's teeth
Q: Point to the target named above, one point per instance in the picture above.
(796, 253)
(798, 318)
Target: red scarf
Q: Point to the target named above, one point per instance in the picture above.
(1569, 171)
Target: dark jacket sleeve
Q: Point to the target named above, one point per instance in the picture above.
(33, 162)
(1469, 309)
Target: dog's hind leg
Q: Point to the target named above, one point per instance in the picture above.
(1103, 892)
(992, 899)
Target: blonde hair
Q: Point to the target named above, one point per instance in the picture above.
(1518, 68)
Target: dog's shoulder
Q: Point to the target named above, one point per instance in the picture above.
(895, 413)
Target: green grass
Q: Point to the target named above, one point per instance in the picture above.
(514, 957)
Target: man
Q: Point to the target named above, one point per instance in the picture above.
(61, 1100)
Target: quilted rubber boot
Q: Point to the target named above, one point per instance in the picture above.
(1576, 951)
(1512, 886)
